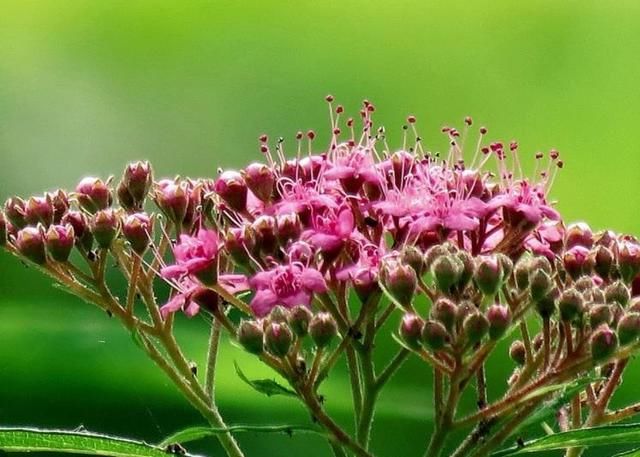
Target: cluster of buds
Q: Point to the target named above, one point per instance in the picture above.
(285, 242)
(284, 331)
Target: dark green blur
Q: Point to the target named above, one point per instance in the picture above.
(86, 86)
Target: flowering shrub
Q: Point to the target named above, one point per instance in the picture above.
(305, 260)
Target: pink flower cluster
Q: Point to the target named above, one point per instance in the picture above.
(295, 228)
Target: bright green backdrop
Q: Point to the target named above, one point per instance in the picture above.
(86, 86)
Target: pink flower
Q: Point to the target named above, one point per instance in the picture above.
(524, 202)
(331, 230)
(288, 285)
(193, 254)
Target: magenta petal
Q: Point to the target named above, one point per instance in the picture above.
(530, 212)
(313, 280)
(173, 305)
(460, 222)
(423, 224)
(325, 242)
(173, 271)
(261, 280)
(300, 298)
(346, 223)
(191, 309)
(263, 301)
(234, 283)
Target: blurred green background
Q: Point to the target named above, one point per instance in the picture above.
(86, 86)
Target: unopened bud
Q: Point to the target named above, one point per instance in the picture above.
(60, 202)
(506, 263)
(634, 306)
(14, 209)
(518, 353)
(599, 315)
(499, 317)
(488, 275)
(445, 312)
(629, 260)
(433, 253)
(411, 330)
(603, 343)
(93, 194)
(250, 336)
(279, 314)
(365, 283)
(629, 328)
(617, 292)
(137, 228)
(299, 319)
(230, 186)
(603, 261)
(546, 305)
(446, 271)
(137, 178)
(173, 200)
(278, 338)
(104, 227)
(39, 210)
(577, 261)
(60, 240)
(30, 243)
(80, 224)
(260, 179)
(288, 228)
(323, 329)
(239, 243)
(264, 228)
(434, 335)
(468, 267)
(401, 281)
(540, 284)
(475, 327)
(579, 234)
(521, 272)
(570, 305)
(413, 257)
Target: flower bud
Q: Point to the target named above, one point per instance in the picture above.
(365, 283)
(571, 305)
(3, 230)
(279, 314)
(288, 228)
(411, 330)
(401, 281)
(60, 202)
(80, 225)
(322, 329)
(260, 179)
(629, 328)
(577, 261)
(250, 336)
(617, 292)
(599, 315)
(446, 270)
(475, 327)
(541, 263)
(506, 264)
(468, 267)
(629, 260)
(232, 189)
(603, 343)
(488, 275)
(14, 209)
(465, 308)
(299, 319)
(434, 335)
(30, 243)
(137, 228)
(125, 199)
(546, 305)
(60, 240)
(540, 284)
(137, 179)
(278, 338)
(603, 261)
(39, 210)
(521, 272)
(93, 194)
(634, 306)
(413, 257)
(499, 317)
(517, 352)
(445, 312)
(434, 253)
(173, 200)
(578, 234)
(264, 228)
(104, 227)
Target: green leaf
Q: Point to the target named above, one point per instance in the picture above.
(269, 387)
(630, 453)
(550, 408)
(608, 435)
(198, 433)
(74, 442)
